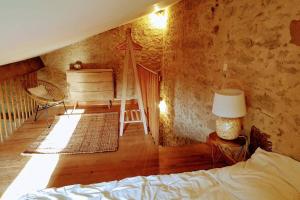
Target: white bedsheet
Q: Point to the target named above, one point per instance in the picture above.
(265, 176)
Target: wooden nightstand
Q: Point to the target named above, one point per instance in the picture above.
(232, 151)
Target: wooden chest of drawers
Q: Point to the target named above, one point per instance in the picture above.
(90, 85)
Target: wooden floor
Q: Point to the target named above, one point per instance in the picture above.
(137, 155)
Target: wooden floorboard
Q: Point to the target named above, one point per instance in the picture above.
(137, 155)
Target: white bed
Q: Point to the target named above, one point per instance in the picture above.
(265, 175)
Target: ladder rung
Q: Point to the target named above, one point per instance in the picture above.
(132, 117)
(136, 114)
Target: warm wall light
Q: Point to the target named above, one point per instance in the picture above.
(159, 19)
(163, 107)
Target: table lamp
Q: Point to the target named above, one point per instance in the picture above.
(229, 105)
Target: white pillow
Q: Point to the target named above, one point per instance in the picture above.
(39, 91)
(278, 164)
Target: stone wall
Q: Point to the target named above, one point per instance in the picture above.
(99, 52)
(253, 38)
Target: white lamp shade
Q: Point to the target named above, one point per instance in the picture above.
(229, 103)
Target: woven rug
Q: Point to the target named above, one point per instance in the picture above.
(78, 133)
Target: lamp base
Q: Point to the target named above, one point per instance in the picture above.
(228, 128)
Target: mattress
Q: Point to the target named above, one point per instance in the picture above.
(265, 175)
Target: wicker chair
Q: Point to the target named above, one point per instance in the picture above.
(54, 97)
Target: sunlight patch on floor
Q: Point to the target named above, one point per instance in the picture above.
(34, 176)
(37, 172)
(61, 133)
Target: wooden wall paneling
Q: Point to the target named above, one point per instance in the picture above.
(8, 105)
(13, 103)
(17, 69)
(34, 79)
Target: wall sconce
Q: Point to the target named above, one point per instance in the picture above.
(159, 19)
(163, 107)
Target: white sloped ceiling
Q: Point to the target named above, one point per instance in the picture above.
(30, 28)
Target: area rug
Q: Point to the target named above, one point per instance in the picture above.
(78, 133)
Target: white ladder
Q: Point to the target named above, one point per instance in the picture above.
(131, 116)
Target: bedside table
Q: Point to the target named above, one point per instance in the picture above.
(232, 151)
